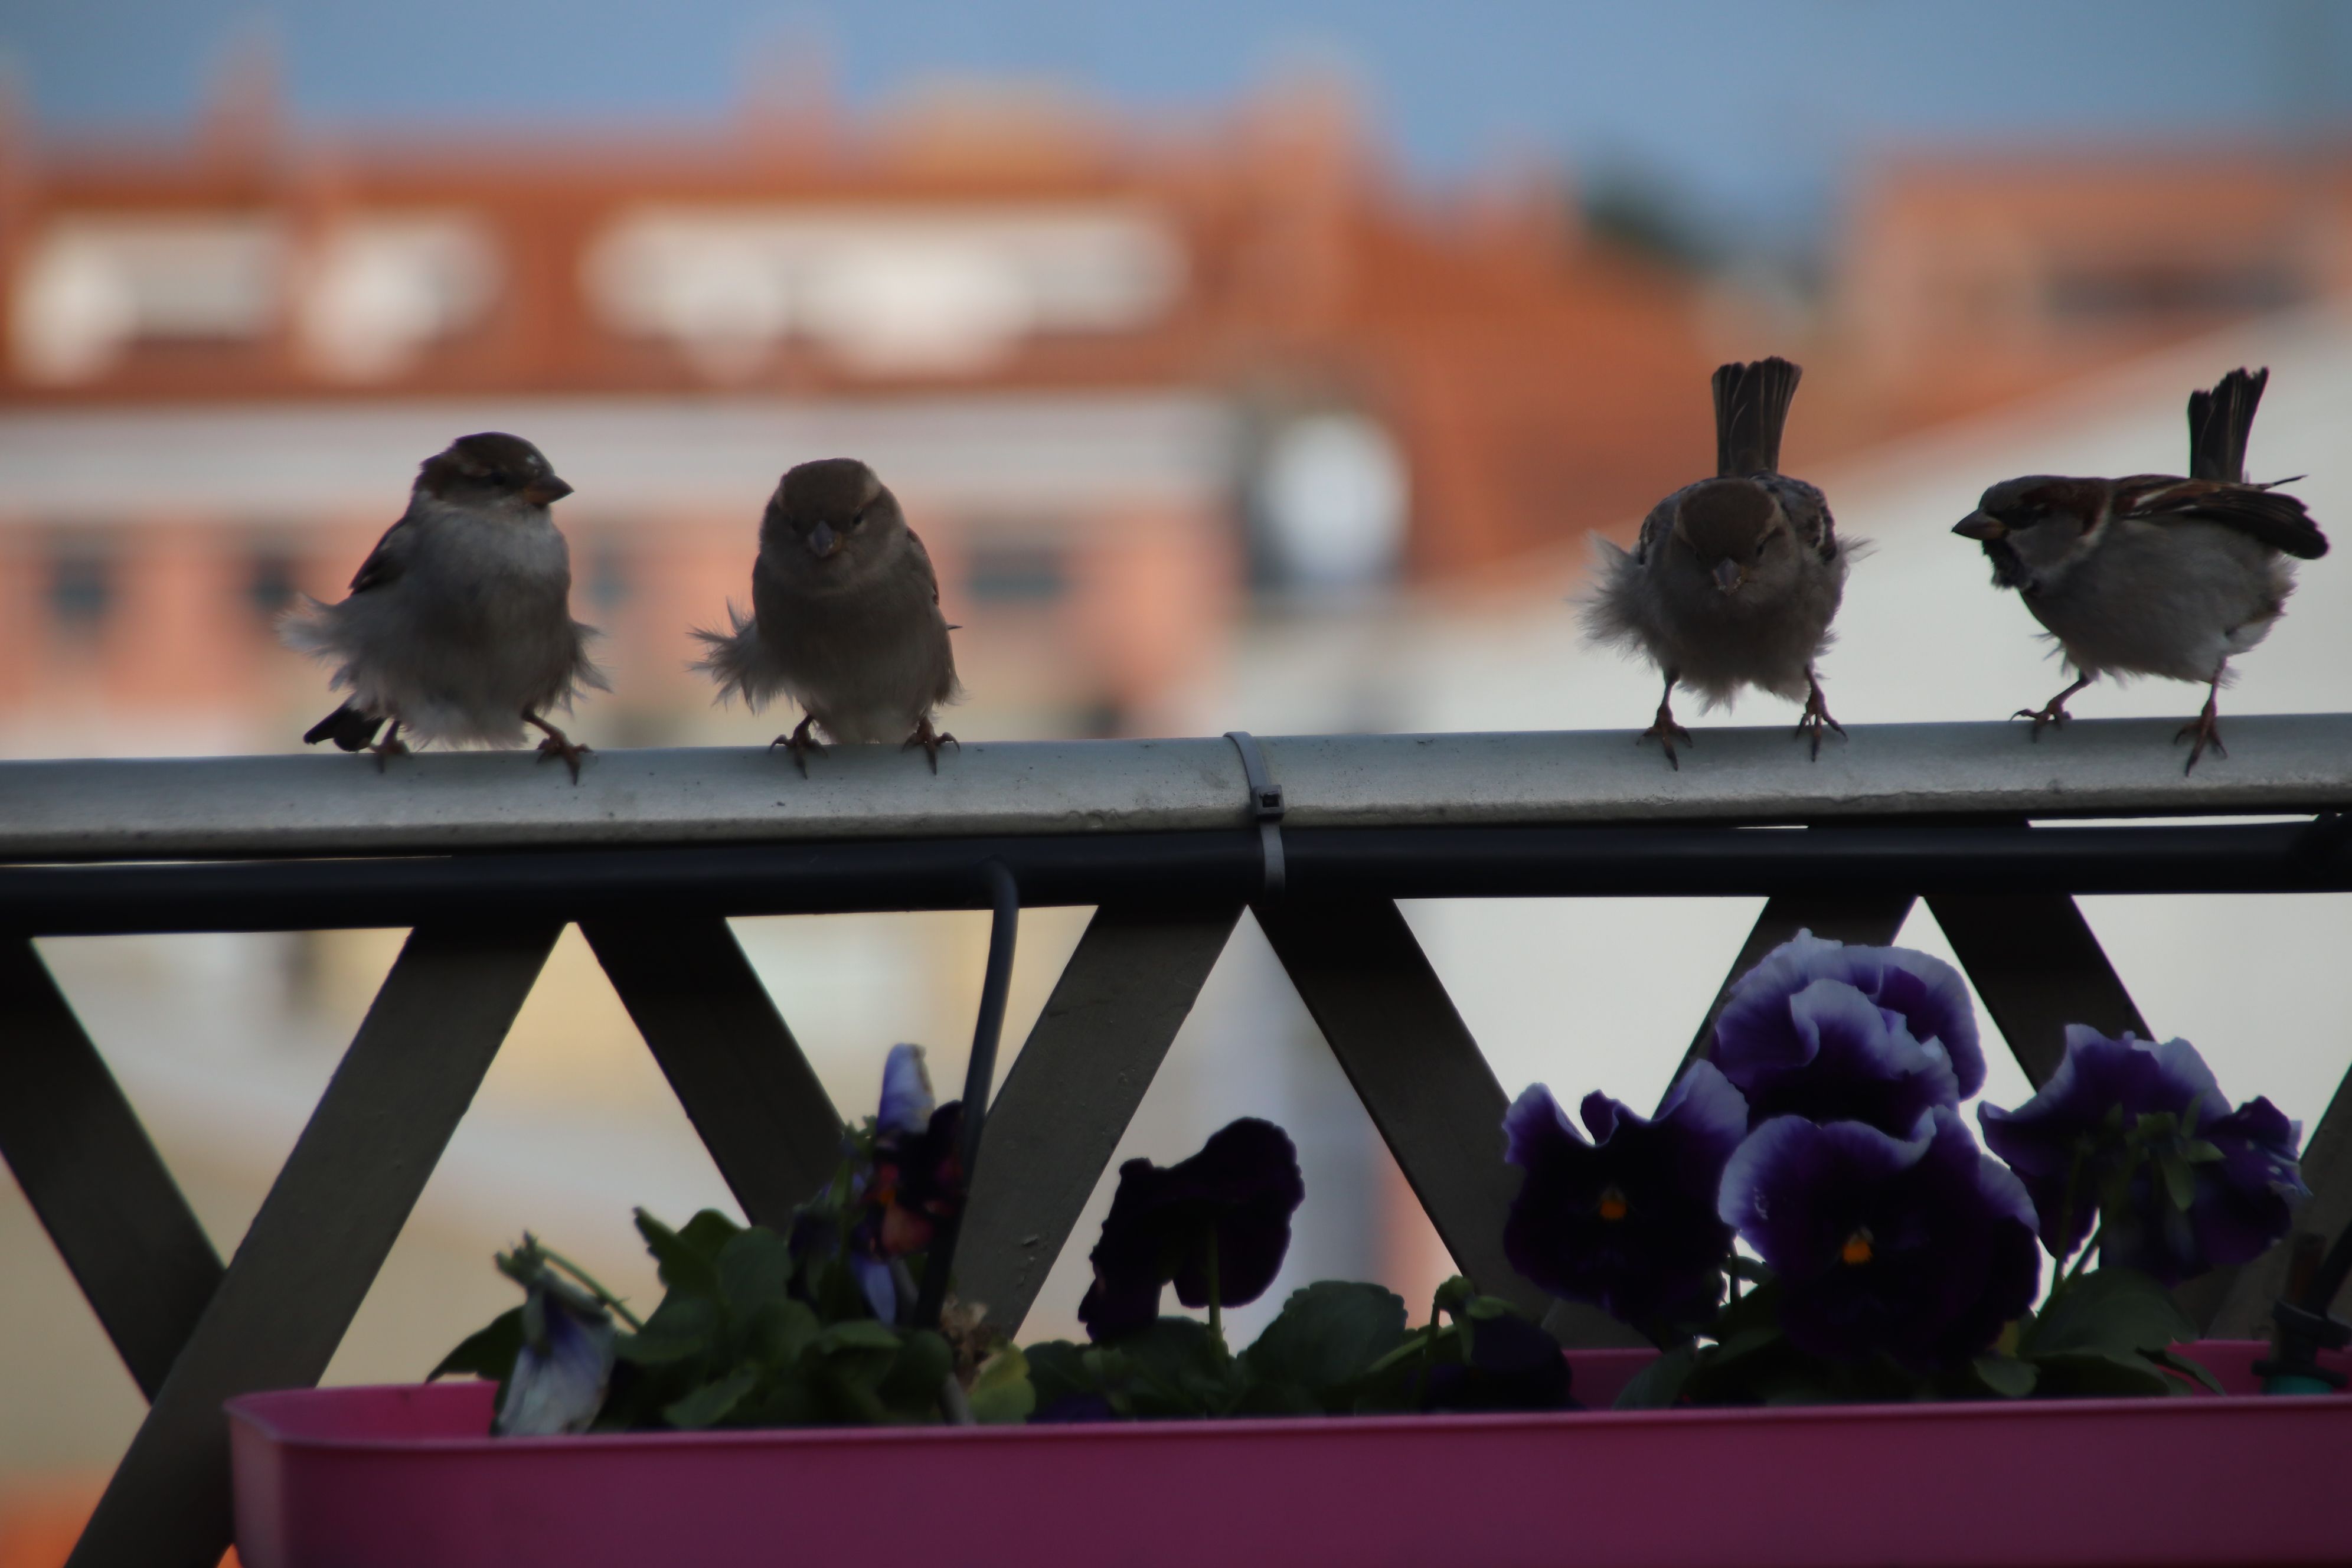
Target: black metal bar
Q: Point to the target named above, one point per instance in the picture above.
(1092, 868)
(313, 1249)
(1387, 1017)
(980, 1073)
(1863, 920)
(2039, 967)
(1074, 1089)
(728, 1056)
(94, 1178)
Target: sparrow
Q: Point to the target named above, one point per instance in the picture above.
(458, 626)
(844, 618)
(1735, 580)
(2153, 574)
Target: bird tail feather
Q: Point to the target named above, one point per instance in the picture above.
(2219, 422)
(1751, 406)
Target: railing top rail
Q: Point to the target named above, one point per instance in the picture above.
(332, 804)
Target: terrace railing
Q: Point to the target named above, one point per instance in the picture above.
(486, 857)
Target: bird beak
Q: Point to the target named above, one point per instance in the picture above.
(538, 492)
(822, 541)
(1978, 525)
(1729, 574)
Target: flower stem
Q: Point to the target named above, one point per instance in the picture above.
(1216, 1295)
(603, 1298)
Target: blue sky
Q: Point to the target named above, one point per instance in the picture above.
(1751, 110)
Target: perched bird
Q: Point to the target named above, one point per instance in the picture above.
(2153, 574)
(845, 617)
(1735, 579)
(458, 626)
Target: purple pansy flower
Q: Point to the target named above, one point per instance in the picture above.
(1920, 1247)
(2135, 1134)
(1832, 1033)
(561, 1371)
(1627, 1221)
(1233, 1199)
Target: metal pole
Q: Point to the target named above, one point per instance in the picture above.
(1004, 924)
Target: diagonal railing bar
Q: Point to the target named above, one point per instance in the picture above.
(2038, 967)
(321, 1234)
(1071, 1092)
(2243, 1308)
(728, 1056)
(1412, 1060)
(1863, 920)
(92, 1175)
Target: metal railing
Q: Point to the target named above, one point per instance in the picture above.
(487, 857)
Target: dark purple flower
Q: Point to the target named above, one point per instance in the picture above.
(2133, 1133)
(1627, 1221)
(1511, 1364)
(1832, 1033)
(1920, 1247)
(1231, 1202)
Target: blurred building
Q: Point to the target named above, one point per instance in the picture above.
(1969, 280)
(1120, 380)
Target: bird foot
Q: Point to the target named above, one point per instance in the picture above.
(930, 739)
(391, 746)
(2207, 728)
(559, 744)
(800, 744)
(2051, 713)
(1665, 731)
(1815, 719)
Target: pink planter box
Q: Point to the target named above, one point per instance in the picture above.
(363, 1476)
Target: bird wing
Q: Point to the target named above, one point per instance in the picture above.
(2258, 512)
(388, 559)
(923, 560)
(1808, 510)
(1652, 537)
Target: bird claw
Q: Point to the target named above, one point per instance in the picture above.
(391, 746)
(930, 739)
(800, 744)
(2207, 728)
(2053, 713)
(1815, 719)
(558, 745)
(1665, 731)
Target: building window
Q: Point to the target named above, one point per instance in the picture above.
(1016, 575)
(81, 590)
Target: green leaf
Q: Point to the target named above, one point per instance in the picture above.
(2005, 1376)
(910, 1388)
(1660, 1384)
(1058, 1368)
(1001, 1392)
(488, 1352)
(680, 1328)
(779, 1331)
(685, 1265)
(1177, 1368)
(2110, 1311)
(2094, 1374)
(2179, 1181)
(709, 1232)
(754, 1268)
(1329, 1334)
(2188, 1367)
(710, 1404)
(857, 1334)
